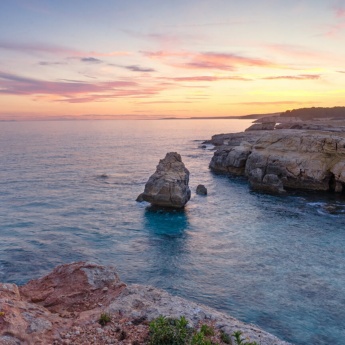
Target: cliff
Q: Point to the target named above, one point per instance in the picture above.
(278, 159)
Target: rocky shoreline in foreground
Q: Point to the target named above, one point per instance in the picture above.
(65, 306)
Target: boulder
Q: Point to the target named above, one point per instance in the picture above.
(201, 189)
(168, 186)
(44, 309)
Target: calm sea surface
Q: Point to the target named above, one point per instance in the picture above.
(278, 262)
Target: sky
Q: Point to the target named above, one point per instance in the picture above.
(172, 58)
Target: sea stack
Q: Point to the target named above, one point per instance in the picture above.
(168, 186)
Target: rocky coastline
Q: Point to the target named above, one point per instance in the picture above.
(280, 153)
(64, 307)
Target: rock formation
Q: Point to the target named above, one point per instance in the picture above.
(168, 186)
(201, 190)
(64, 308)
(274, 160)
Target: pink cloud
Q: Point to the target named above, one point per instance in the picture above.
(295, 77)
(297, 52)
(208, 60)
(340, 12)
(73, 92)
(163, 54)
(207, 78)
(334, 30)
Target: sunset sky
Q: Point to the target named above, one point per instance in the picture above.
(178, 58)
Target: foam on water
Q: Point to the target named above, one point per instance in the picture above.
(68, 190)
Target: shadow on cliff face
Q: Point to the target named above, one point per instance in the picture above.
(165, 221)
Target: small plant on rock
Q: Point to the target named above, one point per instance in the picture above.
(104, 319)
(240, 341)
(199, 339)
(225, 338)
(169, 331)
(207, 330)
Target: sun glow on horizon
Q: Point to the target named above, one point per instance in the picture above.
(192, 59)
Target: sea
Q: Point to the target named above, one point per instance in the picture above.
(68, 190)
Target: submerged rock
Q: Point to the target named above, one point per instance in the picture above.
(201, 189)
(168, 186)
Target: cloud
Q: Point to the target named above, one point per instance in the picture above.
(335, 29)
(163, 102)
(166, 38)
(297, 52)
(295, 77)
(91, 60)
(339, 11)
(73, 91)
(208, 60)
(47, 63)
(273, 103)
(33, 48)
(136, 68)
(162, 54)
(206, 78)
(341, 71)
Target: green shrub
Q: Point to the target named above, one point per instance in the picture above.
(166, 331)
(240, 341)
(199, 339)
(207, 330)
(104, 319)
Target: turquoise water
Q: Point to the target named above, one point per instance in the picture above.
(277, 262)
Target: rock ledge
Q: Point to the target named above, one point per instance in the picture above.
(64, 308)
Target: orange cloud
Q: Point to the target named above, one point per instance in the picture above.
(274, 103)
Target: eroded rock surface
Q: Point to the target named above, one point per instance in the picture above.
(272, 161)
(168, 186)
(201, 190)
(64, 308)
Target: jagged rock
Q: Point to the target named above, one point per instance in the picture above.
(298, 159)
(168, 186)
(231, 159)
(201, 189)
(140, 198)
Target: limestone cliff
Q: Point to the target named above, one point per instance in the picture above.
(274, 160)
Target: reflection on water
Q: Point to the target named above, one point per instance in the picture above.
(168, 237)
(166, 222)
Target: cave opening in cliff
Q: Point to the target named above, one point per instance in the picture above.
(332, 183)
